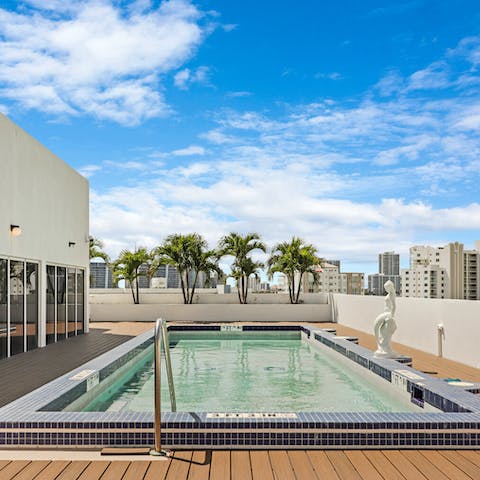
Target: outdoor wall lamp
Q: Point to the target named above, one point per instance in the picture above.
(71, 244)
(15, 230)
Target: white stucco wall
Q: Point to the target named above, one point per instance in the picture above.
(108, 312)
(417, 320)
(49, 201)
(202, 296)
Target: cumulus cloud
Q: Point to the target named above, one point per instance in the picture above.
(90, 57)
(191, 150)
(395, 167)
(184, 79)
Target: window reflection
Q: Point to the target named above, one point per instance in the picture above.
(61, 303)
(3, 308)
(80, 301)
(16, 307)
(50, 311)
(71, 302)
(31, 292)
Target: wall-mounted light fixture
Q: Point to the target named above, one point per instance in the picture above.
(71, 244)
(15, 230)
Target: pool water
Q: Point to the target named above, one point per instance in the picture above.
(254, 373)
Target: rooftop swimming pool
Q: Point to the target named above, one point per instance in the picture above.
(249, 372)
(293, 396)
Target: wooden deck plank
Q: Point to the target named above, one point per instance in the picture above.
(422, 361)
(53, 470)
(443, 464)
(382, 464)
(261, 467)
(157, 470)
(73, 470)
(31, 470)
(116, 470)
(322, 465)
(472, 455)
(240, 465)
(136, 470)
(179, 465)
(302, 467)
(428, 469)
(403, 465)
(469, 468)
(282, 469)
(342, 465)
(4, 463)
(12, 469)
(220, 467)
(362, 465)
(200, 467)
(94, 470)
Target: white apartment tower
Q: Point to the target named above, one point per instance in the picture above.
(442, 272)
(330, 280)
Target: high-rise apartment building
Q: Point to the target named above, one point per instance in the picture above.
(442, 272)
(330, 280)
(389, 263)
(389, 269)
(101, 275)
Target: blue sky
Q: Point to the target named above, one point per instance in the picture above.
(354, 125)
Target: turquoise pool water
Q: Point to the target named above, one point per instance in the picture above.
(254, 373)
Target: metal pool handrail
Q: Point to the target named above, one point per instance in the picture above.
(168, 363)
(161, 332)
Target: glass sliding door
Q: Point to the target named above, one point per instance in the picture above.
(71, 309)
(31, 292)
(80, 301)
(3, 307)
(50, 311)
(61, 303)
(17, 274)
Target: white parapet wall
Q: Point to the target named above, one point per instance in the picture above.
(148, 312)
(417, 320)
(202, 296)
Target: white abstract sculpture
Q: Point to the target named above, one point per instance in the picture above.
(385, 325)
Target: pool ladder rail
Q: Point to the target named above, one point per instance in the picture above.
(161, 336)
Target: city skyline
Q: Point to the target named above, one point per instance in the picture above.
(352, 126)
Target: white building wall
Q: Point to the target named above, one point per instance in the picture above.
(49, 201)
(417, 321)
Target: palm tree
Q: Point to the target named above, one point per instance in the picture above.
(96, 249)
(127, 267)
(243, 266)
(190, 256)
(294, 259)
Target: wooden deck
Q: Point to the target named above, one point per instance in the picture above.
(262, 465)
(25, 372)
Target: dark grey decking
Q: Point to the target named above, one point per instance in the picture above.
(27, 371)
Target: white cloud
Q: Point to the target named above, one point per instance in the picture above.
(93, 58)
(89, 170)
(185, 78)
(191, 150)
(238, 94)
(329, 76)
(216, 136)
